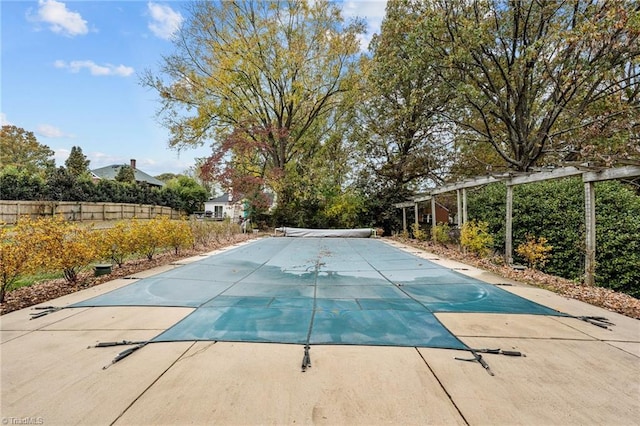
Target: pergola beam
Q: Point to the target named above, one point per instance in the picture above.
(610, 174)
(404, 205)
(469, 183)
(421, 198)
(545, 175)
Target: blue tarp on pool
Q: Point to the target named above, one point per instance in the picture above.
(317, 291)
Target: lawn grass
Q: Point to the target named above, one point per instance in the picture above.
(27, 280)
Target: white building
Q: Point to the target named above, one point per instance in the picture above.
(222, 207)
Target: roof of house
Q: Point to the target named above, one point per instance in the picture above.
(110, 173)
(223, 199)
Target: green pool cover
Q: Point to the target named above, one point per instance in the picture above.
(317, 291)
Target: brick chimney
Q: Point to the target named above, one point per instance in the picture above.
(133, 163)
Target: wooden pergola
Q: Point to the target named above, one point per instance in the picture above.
(589, 177)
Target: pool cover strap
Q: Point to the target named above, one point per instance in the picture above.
(306, 358)
(478, 358)
(44, 310)
(119, 343)
(601, 322)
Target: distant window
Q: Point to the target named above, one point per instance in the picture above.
(217, 211)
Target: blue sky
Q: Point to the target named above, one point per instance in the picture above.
(70, 74)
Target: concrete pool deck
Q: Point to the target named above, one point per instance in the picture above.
(573, 372)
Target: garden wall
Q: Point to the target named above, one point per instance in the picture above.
(80, 211)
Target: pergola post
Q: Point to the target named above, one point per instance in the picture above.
(415, 212)
(459, 207)
(590, 227)
(404, 219)
(465, 219)
(508, 238)
(433, 215)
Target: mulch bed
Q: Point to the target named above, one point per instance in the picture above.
(51, 289)
(598, 296)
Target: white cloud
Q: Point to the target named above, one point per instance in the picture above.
(4, 121)
(100, 159)
(164, 20)
(49, 131)
(60, 155)
(60, 19)
(95, 69)
(373, 11)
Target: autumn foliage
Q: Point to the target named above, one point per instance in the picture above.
(51, 244)
(535, 251)
(475, 237)
(59, 245)
(178, 233)
(15, 255)
(116, 244)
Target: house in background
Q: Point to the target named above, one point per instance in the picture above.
(110, 173)
(442, 214)
(224, 206)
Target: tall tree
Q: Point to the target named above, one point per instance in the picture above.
(166, 177)
(401, 127)
(256, 79)
(20, 148)
(77, 163)
(126, 174)
(191, 194)
(527, 71)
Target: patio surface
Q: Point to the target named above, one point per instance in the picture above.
(573, 372)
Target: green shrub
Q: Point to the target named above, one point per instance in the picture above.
(20, 184)
(555, 209)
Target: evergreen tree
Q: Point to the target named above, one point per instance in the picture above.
(126, 174)
(77, 163)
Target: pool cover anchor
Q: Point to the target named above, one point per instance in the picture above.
(125, 353)
(306, 359)
(500, 352)
(44, 310)
(477, 358)
(119, 343)
(601, 322)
